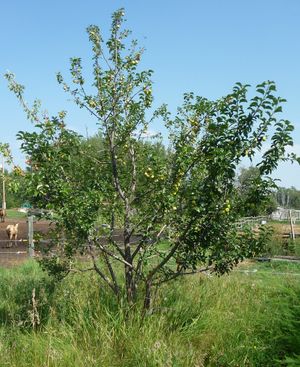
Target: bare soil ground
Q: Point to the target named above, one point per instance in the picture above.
(18, 252)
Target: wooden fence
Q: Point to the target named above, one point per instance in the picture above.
(282, 214)
(251, 221)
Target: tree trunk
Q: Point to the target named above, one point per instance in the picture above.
(130, 286)
(147, 299)
(129, 278)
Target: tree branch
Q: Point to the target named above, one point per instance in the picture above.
(171, 253)
(179, 273)
(114, 256)
(152, 243)
(133, 180)
(99, 272)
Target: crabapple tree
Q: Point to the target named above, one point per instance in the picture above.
(175, 206)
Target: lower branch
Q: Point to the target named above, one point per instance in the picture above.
(114, 256)
(100, 273)
(171, 252)
(180, 273)
(112, 274)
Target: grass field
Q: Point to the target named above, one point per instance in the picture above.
(14, 214)
(243, 319)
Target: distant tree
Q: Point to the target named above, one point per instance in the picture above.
(255, 193)
(16, 189)
(13, 180)
(288, 197)
(187, 191)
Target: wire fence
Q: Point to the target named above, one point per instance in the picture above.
(13, 250)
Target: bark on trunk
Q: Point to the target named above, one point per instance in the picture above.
(147, 299)
(129, 275)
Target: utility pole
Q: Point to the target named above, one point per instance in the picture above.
(3, 187)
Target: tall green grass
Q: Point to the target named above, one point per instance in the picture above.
(237, 320)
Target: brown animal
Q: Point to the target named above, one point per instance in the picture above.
(2, 215)
(12, 232)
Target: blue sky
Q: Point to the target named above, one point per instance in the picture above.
(192, 45)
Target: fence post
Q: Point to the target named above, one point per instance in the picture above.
(30, 236)
(292, 226)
